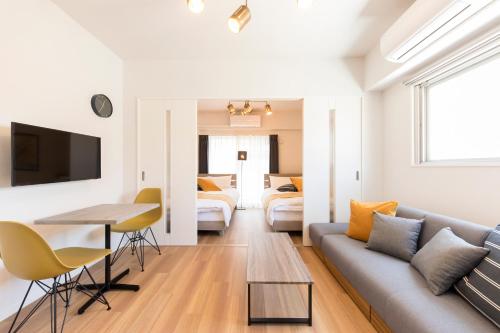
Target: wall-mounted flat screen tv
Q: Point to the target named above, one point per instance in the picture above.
(43, 155)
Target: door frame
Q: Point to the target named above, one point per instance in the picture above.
(316, 210)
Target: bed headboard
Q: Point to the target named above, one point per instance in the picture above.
(233, 177)
(267, 180)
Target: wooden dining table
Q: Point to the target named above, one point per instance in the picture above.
(107, 215)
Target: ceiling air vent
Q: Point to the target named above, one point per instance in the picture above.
(423, 23)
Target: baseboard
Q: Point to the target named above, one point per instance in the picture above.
(378, 322)
(365, 307)
(319, 253)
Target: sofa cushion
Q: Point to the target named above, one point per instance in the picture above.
(318, 230)
(374, 275)
(419, 311)
(382, 280)
(470, 232)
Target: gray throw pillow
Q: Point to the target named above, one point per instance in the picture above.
(395, 236)
(445, 259)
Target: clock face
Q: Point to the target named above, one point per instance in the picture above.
(101, 105)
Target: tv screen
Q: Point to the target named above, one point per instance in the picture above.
(42, 155)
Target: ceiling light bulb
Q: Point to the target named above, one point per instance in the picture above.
(239, 19)
(268, 109)
(231, 109)
(303, 4)
(247, 108)
(196, 6)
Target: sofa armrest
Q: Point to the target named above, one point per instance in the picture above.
(318, 230)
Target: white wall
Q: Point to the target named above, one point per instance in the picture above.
(286, 124)
(469, 193)
(50, 67)
(372, 146)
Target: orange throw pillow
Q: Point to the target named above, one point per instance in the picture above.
(297, 182)
(207, 185)
(361, 221)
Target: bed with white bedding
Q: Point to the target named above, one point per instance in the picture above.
(284, 210)
(215, 208)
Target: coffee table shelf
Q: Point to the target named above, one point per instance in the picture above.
(276, 281)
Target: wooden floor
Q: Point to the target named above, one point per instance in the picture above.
(242, 224)
(200, 289)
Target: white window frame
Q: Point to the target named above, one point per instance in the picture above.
(473, 56)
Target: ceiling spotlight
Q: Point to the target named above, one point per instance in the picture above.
(239, 19)
(268, 109)
(231, 108)
(196, 6)
(303, 4)
(247, 108)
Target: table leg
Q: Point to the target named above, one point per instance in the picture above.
(249, 321)
(109, 283)
(310, 304)
(107, 260)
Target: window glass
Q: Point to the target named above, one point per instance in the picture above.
(463, 114)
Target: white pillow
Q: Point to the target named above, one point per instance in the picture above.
(279, 181)
(221, 181)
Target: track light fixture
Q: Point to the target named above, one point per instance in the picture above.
(247, 107)
(241, 16)
(239, 19)
(196, 6)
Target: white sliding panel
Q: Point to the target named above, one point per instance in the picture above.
(347, 171)
(316, 166)
(153, 133)
(167, 158)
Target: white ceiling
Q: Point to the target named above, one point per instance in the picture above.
(166, 29)
(219, 105)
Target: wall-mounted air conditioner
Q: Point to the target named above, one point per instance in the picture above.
(423, 23)
(244, 121)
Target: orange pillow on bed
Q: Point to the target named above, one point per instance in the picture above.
(207, 185)
(297, 182)
(361, 221)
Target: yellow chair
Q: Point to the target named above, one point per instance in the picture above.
(28, 256)
(136, 225)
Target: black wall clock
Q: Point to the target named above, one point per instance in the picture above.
(101, 105)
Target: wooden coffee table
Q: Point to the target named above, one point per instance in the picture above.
(276, 280)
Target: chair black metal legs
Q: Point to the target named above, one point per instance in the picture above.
(136, 242)
(58, 289)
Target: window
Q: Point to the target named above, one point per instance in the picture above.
(222, 158)
(458, 112)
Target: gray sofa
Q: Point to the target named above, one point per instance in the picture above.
(390, 292)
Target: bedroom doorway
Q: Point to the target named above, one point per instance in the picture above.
(250, 155)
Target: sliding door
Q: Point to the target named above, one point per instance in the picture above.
(316, 162)
(167, 158)
(347, 155)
